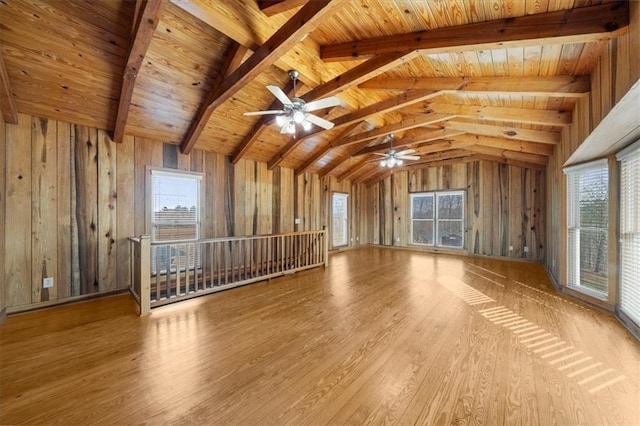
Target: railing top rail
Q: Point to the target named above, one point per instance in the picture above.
(228, 239)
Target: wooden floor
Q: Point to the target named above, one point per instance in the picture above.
(381, 336)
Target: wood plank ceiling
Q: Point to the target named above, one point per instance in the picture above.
(455, 80)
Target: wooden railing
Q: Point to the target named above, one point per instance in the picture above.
(166, 272)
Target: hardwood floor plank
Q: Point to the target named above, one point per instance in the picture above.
(380, 336)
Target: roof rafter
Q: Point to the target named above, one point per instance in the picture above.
(234, 57)
(291, 33)
(409, 123)
(322, 152)
(580, 25)
(565, 85)
(417, 137)
(149, 17)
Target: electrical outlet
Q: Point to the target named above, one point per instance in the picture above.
(526, 249)
(397, 239)
(296, 221)
(357, 238)
(510, 248)
(47, 282)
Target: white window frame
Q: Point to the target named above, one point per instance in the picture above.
(573, 229)
(436, 219)
(629, 277)
(155, 171)
(345, 221)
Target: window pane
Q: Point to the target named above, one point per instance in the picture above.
(593, 189)
(593, 260)
(422, 207)
(450, 206)
(450, 233)
(175, 207)
(423, 232)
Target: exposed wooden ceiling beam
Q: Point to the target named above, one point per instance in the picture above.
(234, 56)
(580, 25)
(223, 16)
(353, 170)
(409, 123)
(505, 153)
(388, 105)
(416, 137)
(514, 115)
(322, 152)
(149, 19)
(302, 23)
(8, 104)
(565, 85)
(505, 132)
(345, 156)
(502, 143)
(274, 7)
(290, 34)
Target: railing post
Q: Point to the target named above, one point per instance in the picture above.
(145, 275)
(326, 246)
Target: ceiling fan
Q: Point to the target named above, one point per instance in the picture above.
(393, 158)
(296, 111)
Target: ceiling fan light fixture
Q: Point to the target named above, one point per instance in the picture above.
(383, 163)
(298, 116)
(280, 120)
(306, 125)
(291, 128)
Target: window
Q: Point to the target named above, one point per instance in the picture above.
(630, 232)
(587, 221)
(437, 219)
(340, 236)
(175, 216)
(176, 201)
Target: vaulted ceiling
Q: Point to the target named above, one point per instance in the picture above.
(456, 80)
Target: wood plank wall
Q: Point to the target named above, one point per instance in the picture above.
(73, 197)
(617, 69)
(3, 197)
(505, 206)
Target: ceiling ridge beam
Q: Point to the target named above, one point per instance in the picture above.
(579, 25)
(148, 22)
(290, 34)
(9, 109)
(565, 85)
(234, 56)
(513, 155)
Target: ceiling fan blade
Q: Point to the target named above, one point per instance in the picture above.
(373, 160)
(408, 157)
(280, 95)
(406, 151)
(379, 153)
(321, 122)
(267, 112)
(331, 101)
